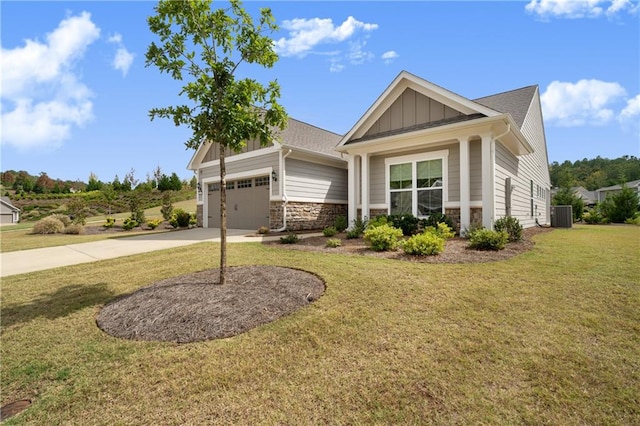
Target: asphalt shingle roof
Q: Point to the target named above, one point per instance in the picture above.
(302, 135)
(515, 102)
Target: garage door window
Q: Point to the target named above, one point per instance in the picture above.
(246, 183)
(262, 181)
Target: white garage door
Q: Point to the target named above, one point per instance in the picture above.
(247, 203)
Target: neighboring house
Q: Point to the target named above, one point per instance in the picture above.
(418, 149)
(8, 212)
(421, 149)
(602, 193)
(298, 182)
(589, 198)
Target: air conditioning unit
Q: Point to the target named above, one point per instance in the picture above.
(561, 216)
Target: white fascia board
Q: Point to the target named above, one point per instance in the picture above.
(316, 157)
(196, 158)
(266, 171)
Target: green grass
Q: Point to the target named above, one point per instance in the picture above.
(19, 237)
(548, 337)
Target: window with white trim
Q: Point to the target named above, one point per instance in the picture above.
(262, 181)
(214, 187)
(417, 186)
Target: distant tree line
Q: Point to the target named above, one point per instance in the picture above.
(595, 173)
(21, 182)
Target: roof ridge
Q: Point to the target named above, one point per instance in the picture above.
(314, 126)
(505, 92)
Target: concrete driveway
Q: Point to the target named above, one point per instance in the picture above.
(21, 262)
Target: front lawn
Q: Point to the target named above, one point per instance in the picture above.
(551, 336)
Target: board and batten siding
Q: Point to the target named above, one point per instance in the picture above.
(411, 109)
(315, 182)
(245, 167)
(214, 150)
(530, 167)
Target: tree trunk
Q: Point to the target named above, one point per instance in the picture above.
(223, 216)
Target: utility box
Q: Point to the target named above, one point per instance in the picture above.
(561, 216)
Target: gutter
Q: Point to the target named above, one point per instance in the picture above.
(284, 194)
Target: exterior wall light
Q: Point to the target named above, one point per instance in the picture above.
(274, 176)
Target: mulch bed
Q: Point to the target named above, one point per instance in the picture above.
(195, 307)
(456, 249)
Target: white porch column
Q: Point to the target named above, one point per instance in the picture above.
(352, 208)
(488, 173)
(364, 185)
(465, 186)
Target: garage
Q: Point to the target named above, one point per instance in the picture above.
(247, 203)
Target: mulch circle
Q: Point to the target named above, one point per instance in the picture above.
(194, 307)
(13, 408)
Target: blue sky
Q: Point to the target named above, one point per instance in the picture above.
(76, 92)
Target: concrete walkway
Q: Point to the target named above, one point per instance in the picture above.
(21, 262)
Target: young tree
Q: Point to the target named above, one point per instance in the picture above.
(566, 197)
(620, 206)
(207, 47)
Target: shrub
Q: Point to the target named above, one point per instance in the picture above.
(74, 228)
(593, 217)
(263, 230)
(635, 220)
(378, 221)
(77, 209)
(129, 223)
(167, 207)
(180, 219)
(486, 239)
(511, 226)
(48, 225)
(66, 220)
(353, 234)
(442, 230)
(383, 238)
(290, 238)
(620, 206)
(334, 242)
(341, 223)
(567, 197)
(154, 223)
(109, 222)
(359, 225)
(408, 223)
(329, 231)
(193, 220)
(425, 244)
(435, 218)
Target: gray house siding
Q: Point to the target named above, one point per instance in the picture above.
(214, 150)
(315, 182)
(410, 109)
(245, 166)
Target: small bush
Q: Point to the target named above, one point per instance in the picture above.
(109, 222)
(359, 225)
(435, 218)
(193, 220)
(180, 219)
(334, 242)
(263, 230)
(486, 239)
(408, 223)
(425, 244)
(66, 220)
(593, 217)
(378, 221)
(444, 231)
(74, 228)
(353, 234)
(129, 223)
(154, 223)
(329, 231)
(511, 226)
(290, 238)
(48, 225)
(341, 223)
(383, 238)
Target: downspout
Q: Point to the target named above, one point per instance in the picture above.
(284, 195)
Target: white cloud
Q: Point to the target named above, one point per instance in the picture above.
(123, 59)
(357, 55)
(632, 109)
(587, 102)
(42, 97)
(306, 34)
(577, 9)
(336, 66)
(389, 56)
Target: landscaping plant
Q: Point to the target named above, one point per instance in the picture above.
(48, 225)
(329, 231)
(429, 243)
(511, 226)
(383, 237)
(334, 242)
(486, 239)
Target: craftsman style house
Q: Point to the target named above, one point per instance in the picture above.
(418, 149)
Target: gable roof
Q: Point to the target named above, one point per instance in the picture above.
(297, 135)
(515, 102)
(7, 202)
(630, 184)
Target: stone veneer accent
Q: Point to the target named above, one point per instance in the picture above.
(304, 216)
(199, 215)
(454, 214)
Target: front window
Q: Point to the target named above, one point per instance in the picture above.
(416, 187)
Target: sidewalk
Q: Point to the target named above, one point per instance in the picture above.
(21, 262)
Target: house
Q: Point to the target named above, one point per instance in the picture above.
(298, 182)
(603, 193)
(8, 212)
(418, 149)
(589, 198)
(421, 149)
